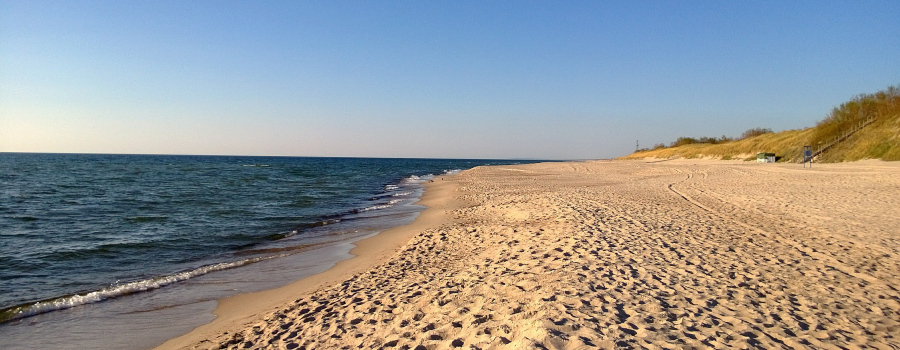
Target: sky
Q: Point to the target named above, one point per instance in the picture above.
(430, 79)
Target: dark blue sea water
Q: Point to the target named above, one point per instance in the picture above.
(78, 232)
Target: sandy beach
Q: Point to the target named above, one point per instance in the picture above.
(607, 254)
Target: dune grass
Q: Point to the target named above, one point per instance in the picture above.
(784, 144)
(879, 140)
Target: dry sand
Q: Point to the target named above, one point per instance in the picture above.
(609, 254)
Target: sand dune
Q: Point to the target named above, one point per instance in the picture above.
(625, 254)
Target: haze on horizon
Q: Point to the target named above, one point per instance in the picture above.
(463, 79)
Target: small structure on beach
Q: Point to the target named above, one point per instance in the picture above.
(765, 157)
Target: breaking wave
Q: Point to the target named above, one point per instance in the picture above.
(117, 290)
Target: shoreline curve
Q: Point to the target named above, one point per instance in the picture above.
(235, 312)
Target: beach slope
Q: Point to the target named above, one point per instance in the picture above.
(617, 254)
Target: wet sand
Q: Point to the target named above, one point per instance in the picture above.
(607, 254)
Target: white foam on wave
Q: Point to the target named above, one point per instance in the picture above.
(414, 180)
(376, 207)
(118, 290)
(403, 185)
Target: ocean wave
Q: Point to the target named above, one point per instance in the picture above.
(404, 185)
(317, 224)
(375, 207)
(415, 180)
(419, 179)
(278, 236)
(117, 290)
(273, 250)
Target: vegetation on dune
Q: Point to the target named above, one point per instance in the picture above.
(681, 141)
(755, 132)
(782, 144)
(879, 140)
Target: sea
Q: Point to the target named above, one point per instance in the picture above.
(126, 251)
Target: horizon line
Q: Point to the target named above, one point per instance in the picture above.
(271, 156)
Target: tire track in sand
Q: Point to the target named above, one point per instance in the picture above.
(831, 262)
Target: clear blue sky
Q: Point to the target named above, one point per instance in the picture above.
(482, 79)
